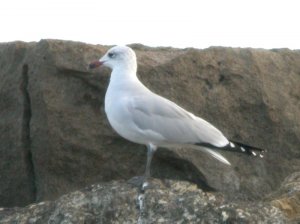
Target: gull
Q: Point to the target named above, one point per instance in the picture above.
(141, 116)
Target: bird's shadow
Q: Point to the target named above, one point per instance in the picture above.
(167, 164)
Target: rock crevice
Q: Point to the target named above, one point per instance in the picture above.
(26, 141)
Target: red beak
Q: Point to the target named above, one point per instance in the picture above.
(95, 64)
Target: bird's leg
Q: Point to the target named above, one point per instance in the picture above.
(142, 181)
(144, 185)
(151, 149)
(150, 152)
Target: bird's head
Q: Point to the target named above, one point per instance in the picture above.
(118, 56)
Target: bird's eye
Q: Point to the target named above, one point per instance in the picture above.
(111, 55)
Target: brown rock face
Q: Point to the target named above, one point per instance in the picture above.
(16, 168)
(54, 136)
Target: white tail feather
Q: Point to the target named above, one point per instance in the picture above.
(217, 156)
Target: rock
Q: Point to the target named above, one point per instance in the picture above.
(16, 170)
(167, 202)
(287, 197)
(55, 137)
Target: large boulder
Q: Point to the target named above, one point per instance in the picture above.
(55, 137)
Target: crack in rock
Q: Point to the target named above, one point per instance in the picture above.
(26, 130)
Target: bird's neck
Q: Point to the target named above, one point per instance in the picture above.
(123, 73)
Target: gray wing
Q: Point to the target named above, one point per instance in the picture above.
(151, 112)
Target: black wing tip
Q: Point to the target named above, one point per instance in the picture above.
(256, 153)
(247, 149)
(238, 147)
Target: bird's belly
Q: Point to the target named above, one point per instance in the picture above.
(122, 122)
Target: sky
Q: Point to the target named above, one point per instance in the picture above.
(187, 23)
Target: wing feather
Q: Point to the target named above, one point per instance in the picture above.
(176, 125)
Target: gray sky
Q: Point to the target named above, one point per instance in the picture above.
(185, 23)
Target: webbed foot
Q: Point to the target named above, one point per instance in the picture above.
(141, 182)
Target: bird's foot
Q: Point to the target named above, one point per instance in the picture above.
(141, 182)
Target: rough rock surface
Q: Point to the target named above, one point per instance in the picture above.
(16, 172)
(287, 197)
(166, 202)
(54, 136)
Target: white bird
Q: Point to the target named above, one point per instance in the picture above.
(143, 117)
